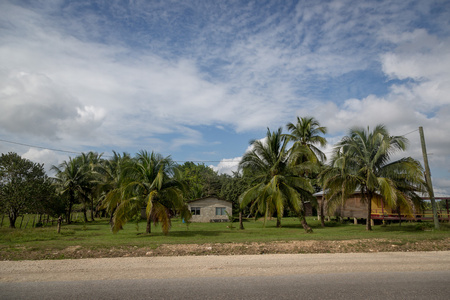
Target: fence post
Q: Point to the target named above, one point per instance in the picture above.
(21, 221)
(58, 230)
(28, 219)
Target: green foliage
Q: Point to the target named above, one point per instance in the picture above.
(306, 136)
(201, 180)
(275, 183)
(362, 162)
(24, 188)
(232, 187)
(151, 184)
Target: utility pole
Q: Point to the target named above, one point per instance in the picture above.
(428, 178)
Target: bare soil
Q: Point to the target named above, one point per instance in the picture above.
(292, 247)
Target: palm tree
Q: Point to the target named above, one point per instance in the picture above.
(338, 182)
(306, 133)
(153, 185)
(114, 175)
(368, 168)
(275, 183)
(91, 163)
(71, 181)
(306, 157)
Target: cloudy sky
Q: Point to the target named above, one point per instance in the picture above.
(198, 79)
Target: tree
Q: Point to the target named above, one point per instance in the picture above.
(364, 157)
(231, 188)
(306, 157)
(91, 163)
(202, 181)
(339, 183)
(115, 174)
(24, 186)
(274, 182)
(154, 186)
(72, 181)
(306, 133)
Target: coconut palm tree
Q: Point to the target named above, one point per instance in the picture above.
(338, 183)
(368, 168)
(114, 174)
(91, 163)
(71, 180)
(306, 133)
(275, 183)
(306, 157)
(152, 185)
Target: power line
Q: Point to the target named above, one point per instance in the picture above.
(410, 132)
(39, 147)
(75, 152)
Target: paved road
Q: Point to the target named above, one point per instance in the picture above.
(423, 275)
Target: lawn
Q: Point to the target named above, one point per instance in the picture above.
(96, 235)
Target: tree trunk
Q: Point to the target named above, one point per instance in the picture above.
(369, 213)
(322, 217)
(111, 222)
(148, 230)
(305, 225)
(58, 229)
(278, 221)
(241, 224)
(303, 222)
(69, 209)
(12, 219)
(85, 213)
(92, 210)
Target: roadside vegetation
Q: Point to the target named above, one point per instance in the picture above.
(150, 192)
(94, 239)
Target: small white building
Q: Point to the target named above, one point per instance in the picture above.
(210, 209)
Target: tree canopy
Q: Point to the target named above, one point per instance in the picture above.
(24, 187)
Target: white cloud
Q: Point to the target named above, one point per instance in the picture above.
(47, 157)
(149, 75)
(227, 165)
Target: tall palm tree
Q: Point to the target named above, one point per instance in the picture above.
(114, 174)
(338, 183)
(369, 169)
(306, 133)
(153, 185)
(306, 157)
(91, 163)
(275, 184)
(71, 181)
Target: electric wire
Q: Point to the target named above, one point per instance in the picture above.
(75, 152)
(178, 161)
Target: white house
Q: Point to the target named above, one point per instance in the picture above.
(210, 209)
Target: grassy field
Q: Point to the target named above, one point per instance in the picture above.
(97, 235)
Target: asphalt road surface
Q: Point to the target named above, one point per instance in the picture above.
(420, 275)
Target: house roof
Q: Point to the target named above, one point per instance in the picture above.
(209, 197)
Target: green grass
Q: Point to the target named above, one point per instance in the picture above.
(97, 235)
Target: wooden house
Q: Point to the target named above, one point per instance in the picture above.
(356, 209)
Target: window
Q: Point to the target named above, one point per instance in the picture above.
(195, 211)
(220, 211)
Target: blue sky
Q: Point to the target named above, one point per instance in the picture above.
(198, 80)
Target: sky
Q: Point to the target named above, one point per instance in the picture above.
(197, 80)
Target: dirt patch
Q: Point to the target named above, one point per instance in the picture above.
(292, 247)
